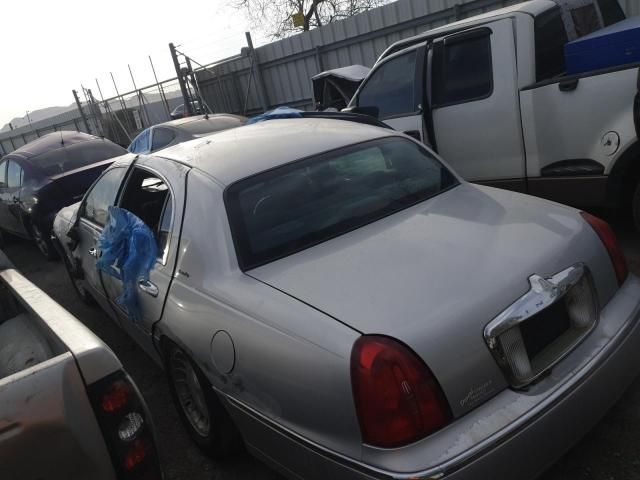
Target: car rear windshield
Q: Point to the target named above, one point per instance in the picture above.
(290, 208)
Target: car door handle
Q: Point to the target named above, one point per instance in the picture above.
(93, 252)
(568, 85)
(148, 287)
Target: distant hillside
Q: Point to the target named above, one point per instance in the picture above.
(37, 115)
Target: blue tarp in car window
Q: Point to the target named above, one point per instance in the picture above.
(128, 252)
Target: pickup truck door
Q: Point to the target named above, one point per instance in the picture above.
(394, 87)
(155, 192)
(475, 105)
(93, 217)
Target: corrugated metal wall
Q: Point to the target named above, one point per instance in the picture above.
(286, 66)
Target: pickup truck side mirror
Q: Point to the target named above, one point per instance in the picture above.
(371, 111)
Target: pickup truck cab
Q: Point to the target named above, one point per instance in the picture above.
(490, 95)
(68, 410)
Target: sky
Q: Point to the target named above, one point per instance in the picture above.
(52, 47)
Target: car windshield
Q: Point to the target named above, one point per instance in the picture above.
(290, 208)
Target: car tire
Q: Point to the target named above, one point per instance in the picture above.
(78, 284)
(43, 242)
(202, 413)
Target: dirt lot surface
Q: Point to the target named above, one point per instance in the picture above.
(610, 451)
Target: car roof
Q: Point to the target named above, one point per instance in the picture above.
(51, 141)
(212, 117)
(238, 153)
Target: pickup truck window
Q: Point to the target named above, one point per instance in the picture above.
(285, 210)
(391, 87)
(611, 12)
(586, 20)
(550, 39)
(102, 194)
(462, 70)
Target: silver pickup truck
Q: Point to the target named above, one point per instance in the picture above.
(68, 410)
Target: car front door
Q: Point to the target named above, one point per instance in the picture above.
(475, 104)
(394, 87)
(155, 193)
(93, 217)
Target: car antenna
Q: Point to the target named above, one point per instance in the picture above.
(61, 139)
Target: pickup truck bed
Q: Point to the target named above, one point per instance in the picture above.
(52, 369)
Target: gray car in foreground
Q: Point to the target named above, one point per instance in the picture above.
(333, 295)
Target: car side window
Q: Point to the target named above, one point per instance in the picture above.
(140, 144)
(161, 138)
(3, 174)
(102, 195)
(391, 87)
(462, 68)
(14, 175)
(550, 39)
(147, 196)
(585, 20)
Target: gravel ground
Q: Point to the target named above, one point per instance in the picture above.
(610, 451)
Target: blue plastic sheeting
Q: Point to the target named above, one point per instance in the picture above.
(280, 112)
(128, 252)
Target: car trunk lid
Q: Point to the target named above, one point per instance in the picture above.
(434, 275)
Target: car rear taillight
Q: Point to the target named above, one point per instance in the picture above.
(126, 426)
(397, 398)
(609, 241)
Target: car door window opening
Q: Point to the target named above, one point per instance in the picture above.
(147, 196)
(3, 174)
(14, 175)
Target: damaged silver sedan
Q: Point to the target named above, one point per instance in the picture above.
(333, 296)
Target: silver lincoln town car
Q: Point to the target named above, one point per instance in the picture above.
(334, 297)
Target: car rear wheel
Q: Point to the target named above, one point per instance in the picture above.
(43, 242)
(202, 413)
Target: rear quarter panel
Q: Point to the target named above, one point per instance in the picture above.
(291, 363)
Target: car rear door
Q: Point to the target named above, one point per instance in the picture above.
(155, 193)
(93, 217)
(475, 104)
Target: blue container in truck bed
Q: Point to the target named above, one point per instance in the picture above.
(618, 44)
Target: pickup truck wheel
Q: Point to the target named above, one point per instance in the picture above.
(205, 418)
(636, 207)
(43, 242)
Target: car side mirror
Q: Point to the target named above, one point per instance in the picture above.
(371, 111)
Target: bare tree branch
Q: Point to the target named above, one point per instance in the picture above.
(274, 17)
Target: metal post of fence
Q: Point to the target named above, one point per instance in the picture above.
(262, 94)
(319, 61)
(183, 86)
(160, 89)
(143, 108)
(122, 104)
(84, 118)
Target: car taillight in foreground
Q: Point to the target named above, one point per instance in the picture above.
(126, 426)
(609, 241)
(397, 398)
